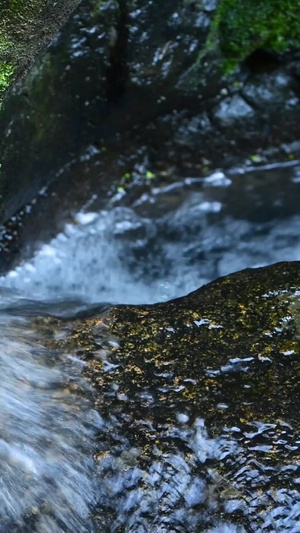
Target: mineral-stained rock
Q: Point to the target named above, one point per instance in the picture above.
(199, 398)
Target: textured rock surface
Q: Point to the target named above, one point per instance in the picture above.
(25, 28)
(141, 85)
(199, 401)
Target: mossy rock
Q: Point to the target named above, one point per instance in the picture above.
(200, 398)
(242, 27)
(25, 28)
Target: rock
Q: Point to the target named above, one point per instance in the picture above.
(143, 89)
(25, 29)
(233, 109)
(199, 397)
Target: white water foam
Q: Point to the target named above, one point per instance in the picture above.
(121, 257)
(47, 435)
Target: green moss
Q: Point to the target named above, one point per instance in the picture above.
(6, 75)
(243, 26)
(25, 27)
(16, 5)
(23, 8)
(4, 44)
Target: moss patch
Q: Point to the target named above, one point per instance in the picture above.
(244, 26)
(25, 27)
(6, 76)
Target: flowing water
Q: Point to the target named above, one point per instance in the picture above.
(171, 240)
(168, 242)
(47, 432)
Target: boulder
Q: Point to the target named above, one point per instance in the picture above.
(199, 402)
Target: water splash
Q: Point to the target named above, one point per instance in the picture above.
(170, 241)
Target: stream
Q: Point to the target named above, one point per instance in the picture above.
(168, 242)
(47, 431)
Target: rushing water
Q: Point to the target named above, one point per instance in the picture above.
(167, 243)
(171, 240)
(47, 432)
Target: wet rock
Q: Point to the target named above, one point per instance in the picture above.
(274, 88)
(140, 88)
(46, 131)
(233, 109)
(199, 398)
(209, 5)
(25, 28)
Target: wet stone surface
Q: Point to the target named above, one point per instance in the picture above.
(132, 84)
(199, 401)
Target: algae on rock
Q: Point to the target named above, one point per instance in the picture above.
(25, 28)
(244, 26)
(200, 398)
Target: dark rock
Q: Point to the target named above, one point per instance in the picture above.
(139, 87)
(199, 397)
(25, 29)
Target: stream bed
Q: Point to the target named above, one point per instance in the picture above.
(135, 172)
(166, 243)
